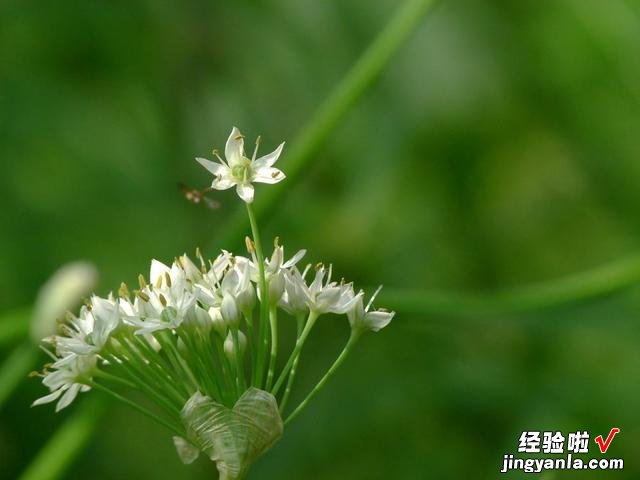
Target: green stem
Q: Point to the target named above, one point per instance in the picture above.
(248, 319)
(263, 339)
(597, 282)
(137, 407)
(14, 326)
(242, 385)
(273, 323)
(67, 443)
(15, 369)
(311, 320)
(344, 96)
(294, 367)
(345, 351)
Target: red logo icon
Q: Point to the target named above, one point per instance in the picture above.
(604, 445)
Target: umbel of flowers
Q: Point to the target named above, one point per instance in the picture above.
(199, 338)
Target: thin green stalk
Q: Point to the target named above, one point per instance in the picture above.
(137, 407)
(171, 351)
(241, 382)
(311, 320)
(294, 367)
(53, 460)
(14, 326)
(248, 320)
(151, 373)
(15, 369)
(343, 97)
(227, 372)
(206, 376)
(263, 339)
(597, 282)
(273, 327)
(149, 388)
(345, 351)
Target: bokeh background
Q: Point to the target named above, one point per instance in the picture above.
(500, 147)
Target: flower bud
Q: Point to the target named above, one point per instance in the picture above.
(202, 319)
(276, 287)
(229, 347)
(246, 299)
(229, 311)
(218, 323)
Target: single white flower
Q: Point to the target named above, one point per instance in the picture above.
(363, 319)
(293, 300)
(65, 380)
(241, 171)
(325, 296)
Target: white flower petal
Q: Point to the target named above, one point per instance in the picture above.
(268, 175)
(295, 259)
(68, 397)
(223, 181)
(157, 271)
(48, 398)
(377, 320)
(269, 159)
(234, 149)
(213, 167)
(245, 192)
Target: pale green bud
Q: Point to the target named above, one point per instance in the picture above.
(229, 311)
(276, 287)
(218, 323)
(229, 347)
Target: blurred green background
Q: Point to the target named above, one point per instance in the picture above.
(498, 148)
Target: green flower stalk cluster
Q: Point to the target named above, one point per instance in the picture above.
(199, 339)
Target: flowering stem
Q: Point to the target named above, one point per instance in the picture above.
(137, 407)
(345, 351)
(311, 320)
(273, 323)
(15, 368)
(264, 300)
(294, 367)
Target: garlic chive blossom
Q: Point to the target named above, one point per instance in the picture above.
(200, 341)
(241, 171)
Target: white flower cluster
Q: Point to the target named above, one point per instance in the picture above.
(185, 301)
(201, 341)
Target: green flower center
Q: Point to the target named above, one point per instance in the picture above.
(242, 169)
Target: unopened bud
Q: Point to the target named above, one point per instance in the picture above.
(276, 287)
(203, 319)
(219, 325)
(229, 345)
(229, 311)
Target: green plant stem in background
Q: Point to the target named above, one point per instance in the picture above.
(69, 441)
(14, 326)
(15, 369)
(324, 121)
(343, 355)
(264, 300)
(597, 282)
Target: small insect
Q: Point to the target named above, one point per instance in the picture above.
(199, 196)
